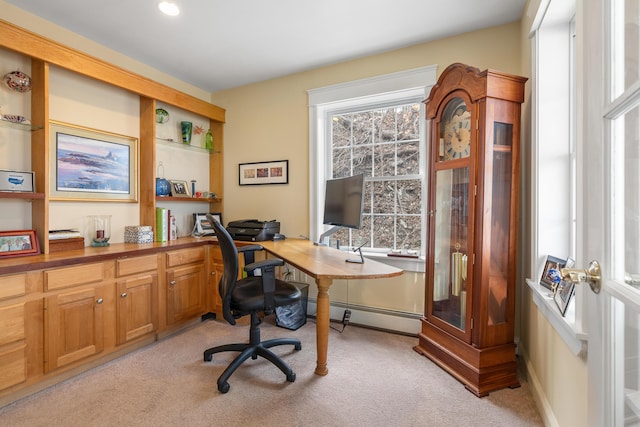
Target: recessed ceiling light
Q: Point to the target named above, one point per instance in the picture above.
(169, 8)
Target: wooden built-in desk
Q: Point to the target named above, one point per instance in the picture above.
(107, 301)
(325, 264)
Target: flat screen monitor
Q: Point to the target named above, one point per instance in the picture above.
(343, 201)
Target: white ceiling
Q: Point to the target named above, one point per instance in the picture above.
(221, 44)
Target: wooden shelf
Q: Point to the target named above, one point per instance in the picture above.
(20, 195)
(186, 199)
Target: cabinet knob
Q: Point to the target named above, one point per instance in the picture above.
(173, 282)
(123, 295)
(213, 273)
(99, 301)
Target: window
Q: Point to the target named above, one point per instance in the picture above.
(374, 126)
(383, 143)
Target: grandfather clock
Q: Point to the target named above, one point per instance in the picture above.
(468, 325)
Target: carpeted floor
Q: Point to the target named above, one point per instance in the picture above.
(375, 379)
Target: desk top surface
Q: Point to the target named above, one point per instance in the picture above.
(323, 262)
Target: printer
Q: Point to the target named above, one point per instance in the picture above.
(253, 230)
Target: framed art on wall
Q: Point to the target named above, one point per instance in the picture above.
(257, 173)
(92, 165)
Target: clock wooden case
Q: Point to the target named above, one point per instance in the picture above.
(468, 325)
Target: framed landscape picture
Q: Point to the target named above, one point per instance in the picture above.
(92, 165)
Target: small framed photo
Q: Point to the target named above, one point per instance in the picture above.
(551, 272)
(18, 243)
(179, 189)
(202, 224)
(562, 295)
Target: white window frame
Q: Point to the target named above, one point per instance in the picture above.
(555, 162)
(376, 90)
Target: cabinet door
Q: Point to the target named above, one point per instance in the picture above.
(74, 326)
(185, 292)
(136, 307)
(214, 302)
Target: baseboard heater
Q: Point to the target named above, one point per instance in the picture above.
(374, 317)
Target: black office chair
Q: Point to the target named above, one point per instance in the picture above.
(251, 295)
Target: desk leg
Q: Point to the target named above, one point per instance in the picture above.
(322, 325)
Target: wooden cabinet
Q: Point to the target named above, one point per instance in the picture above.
(185, 284)
(13, 348)
(468, 326)
(137, 297)
(74, 320)
(216, 269)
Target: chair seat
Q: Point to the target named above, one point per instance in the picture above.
(248, 295)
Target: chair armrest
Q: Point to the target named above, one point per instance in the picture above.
(271, 262)
(268, 278)
(248, 251)
(249, 248)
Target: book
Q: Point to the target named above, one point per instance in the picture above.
(173, 228)
(64, 234)
(162, 224)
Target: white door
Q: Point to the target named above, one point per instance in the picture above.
(610, 206)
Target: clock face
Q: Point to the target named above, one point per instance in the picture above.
(456, 130)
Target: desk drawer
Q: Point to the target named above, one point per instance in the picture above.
(73, 276)
(13, 286)
(185, 256)
(128, 266)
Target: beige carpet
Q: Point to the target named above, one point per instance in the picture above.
(375, 379)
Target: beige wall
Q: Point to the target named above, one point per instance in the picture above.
(269, 120)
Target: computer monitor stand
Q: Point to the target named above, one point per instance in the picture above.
(324, 237)
(356, 261)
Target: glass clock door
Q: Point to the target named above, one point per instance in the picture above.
(451, 246)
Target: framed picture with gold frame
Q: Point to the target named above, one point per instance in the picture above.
(92, 165)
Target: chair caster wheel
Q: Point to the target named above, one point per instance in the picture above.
(208, 357)
(298, 347)
(224, 387)
(291, 377)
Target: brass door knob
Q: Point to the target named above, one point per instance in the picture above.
(591, 275)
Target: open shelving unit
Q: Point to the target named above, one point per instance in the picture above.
(45, 53)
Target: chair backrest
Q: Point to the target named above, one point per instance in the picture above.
(230, 262)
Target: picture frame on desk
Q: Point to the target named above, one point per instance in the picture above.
(92, 165)
(202, 224)
(18, 243)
